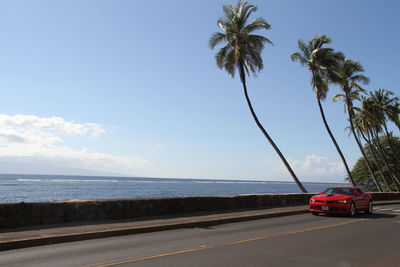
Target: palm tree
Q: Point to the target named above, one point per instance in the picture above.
(243, 52)
(363, 120)
(348, 77)
(321, 62)
(377, 118)
(383, 101)
(380, 148)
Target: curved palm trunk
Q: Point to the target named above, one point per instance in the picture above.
(390, 143)
(321, 110)
(368, 140)
(243, 79)
(350, 112)
(391, 176)
(366, 160)
(380, 149)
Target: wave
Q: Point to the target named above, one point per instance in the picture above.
(206, 182)
(157, 182)
(240, 182)
(67, 181)
(29, 180)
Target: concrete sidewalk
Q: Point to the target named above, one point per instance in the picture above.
(59, 233)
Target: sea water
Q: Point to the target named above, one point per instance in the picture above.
(40, 188)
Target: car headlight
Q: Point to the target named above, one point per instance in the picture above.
(342, 201)
(312, 200)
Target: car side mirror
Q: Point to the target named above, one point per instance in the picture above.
(321, 193)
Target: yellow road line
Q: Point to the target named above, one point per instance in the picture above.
(230, 243)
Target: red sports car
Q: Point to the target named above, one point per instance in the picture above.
(344, 200)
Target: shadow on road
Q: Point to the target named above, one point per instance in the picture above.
(362, 215)
(378, 215)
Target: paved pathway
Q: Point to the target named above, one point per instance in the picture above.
(298, 240)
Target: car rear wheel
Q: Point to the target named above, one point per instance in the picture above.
(370, 208)
(352, 209)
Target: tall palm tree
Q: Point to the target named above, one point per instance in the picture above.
(243, 52)
(348, 76)
(383, 101)
(321, 62)
(363, 120)
(377, 119)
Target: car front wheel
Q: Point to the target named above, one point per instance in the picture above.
(370, 208)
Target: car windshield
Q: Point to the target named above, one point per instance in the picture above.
(343, 191)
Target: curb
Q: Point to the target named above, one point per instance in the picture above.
(42, 241)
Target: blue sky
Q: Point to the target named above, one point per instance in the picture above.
(131, 88)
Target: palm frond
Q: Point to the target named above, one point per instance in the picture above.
(258, 24)
(253, 60)
(320, 85)
(338, 97)
(244, 12)
(257, 41)
(247, 10)
(224, 25)
(220, 57)
(299, 58)
(360, 78)
(216, 38)
(304, 48)
(320, 40)
(228, 12)
(230, 63)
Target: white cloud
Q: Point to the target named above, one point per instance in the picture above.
(25, 123)
(314, 165)
(36, 140)
(160, 145)
(311, 168)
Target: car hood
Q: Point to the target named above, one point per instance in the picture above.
(328, 197)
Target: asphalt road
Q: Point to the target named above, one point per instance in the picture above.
(298, 240)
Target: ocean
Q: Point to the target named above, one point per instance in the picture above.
(16, 188)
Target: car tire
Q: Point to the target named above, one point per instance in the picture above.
(369, 210)
(315, 213)
(352, 209)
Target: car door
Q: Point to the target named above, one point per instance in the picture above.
(362, 200)
(359, 199)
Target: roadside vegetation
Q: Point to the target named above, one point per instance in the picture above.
(368, 113)
(385, 172)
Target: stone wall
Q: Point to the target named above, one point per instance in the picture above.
(26, 214)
